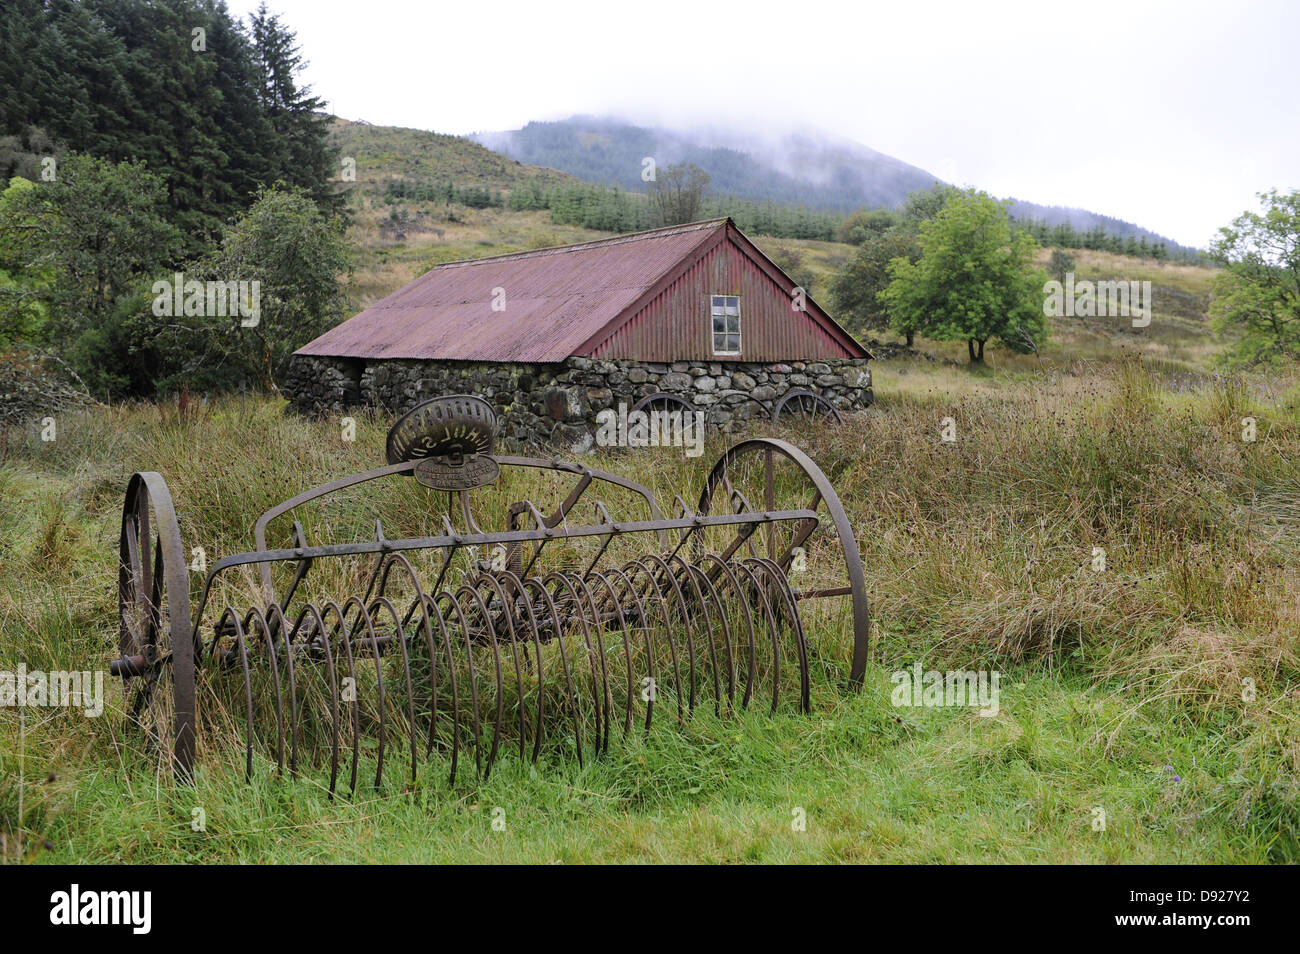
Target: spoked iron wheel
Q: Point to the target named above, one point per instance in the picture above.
(806, 407)
(820, 558)
(654, 403)
(156, 638)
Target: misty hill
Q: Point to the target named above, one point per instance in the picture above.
(795, 170)
(806, 169)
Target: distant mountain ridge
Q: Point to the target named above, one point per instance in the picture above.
(805, 169)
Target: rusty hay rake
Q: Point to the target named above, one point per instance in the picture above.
(541, 633)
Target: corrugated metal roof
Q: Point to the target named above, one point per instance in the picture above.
(555, 300)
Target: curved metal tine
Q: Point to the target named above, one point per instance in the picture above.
(653, 587)
(509, 616)
(364, 619)
(689, 572)
(650, 657)
(597, 691)
(303, 566)
(676, 566)
(670, 579)
(278, 624)
(564, 658)
(742, 504)
(255, 614)
(725, 627)
(490, 628)
(342, 629)
(725, 569)
(230, 614)
(473, 679)
(682, 511)
(318, 622)
(451, 679)
(420, 603)
(450, 554)
(626, 639)
(399, 634)
(517, 585)
(580, 584)
(541, 544)
(603, 520)
(470, 523)
(796, 624)
(379, 563)
(760, 590)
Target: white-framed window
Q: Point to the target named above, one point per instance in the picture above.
(725, 318)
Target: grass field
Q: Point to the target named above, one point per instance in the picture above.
(1123, 692)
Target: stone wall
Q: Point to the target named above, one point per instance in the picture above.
(556, 404)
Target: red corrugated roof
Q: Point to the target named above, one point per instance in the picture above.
(556, 299)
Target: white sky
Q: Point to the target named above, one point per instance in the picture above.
(1171, 115)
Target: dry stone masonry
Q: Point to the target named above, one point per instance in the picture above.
(556, 404)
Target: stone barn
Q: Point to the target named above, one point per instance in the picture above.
(551, 337)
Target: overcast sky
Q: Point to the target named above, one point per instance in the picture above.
(1171, 115)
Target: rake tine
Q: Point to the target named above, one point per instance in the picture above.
(496, 658)
(509, 616)
(318, 622)
(277, 624)
(400, 635)
(473, 678)
(564, 660)
(653, 586)
(724, 569)
(256, 614)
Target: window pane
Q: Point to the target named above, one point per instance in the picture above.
(733, 324)
(719, 324)
(733, 343)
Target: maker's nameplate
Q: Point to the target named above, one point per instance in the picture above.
(478, 471)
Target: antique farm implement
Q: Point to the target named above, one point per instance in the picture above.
(438, 632)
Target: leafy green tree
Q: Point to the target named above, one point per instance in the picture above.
(677, 194)
(296, 255)
(856, 288)
(923, 205)
(864, 224)
(84, 246)
(1258, 291)
(974, 279)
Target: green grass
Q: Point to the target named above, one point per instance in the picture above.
(978, 556)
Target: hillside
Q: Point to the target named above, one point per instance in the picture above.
(385, 153)
(813, 170)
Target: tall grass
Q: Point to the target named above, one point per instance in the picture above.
(980, 553)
